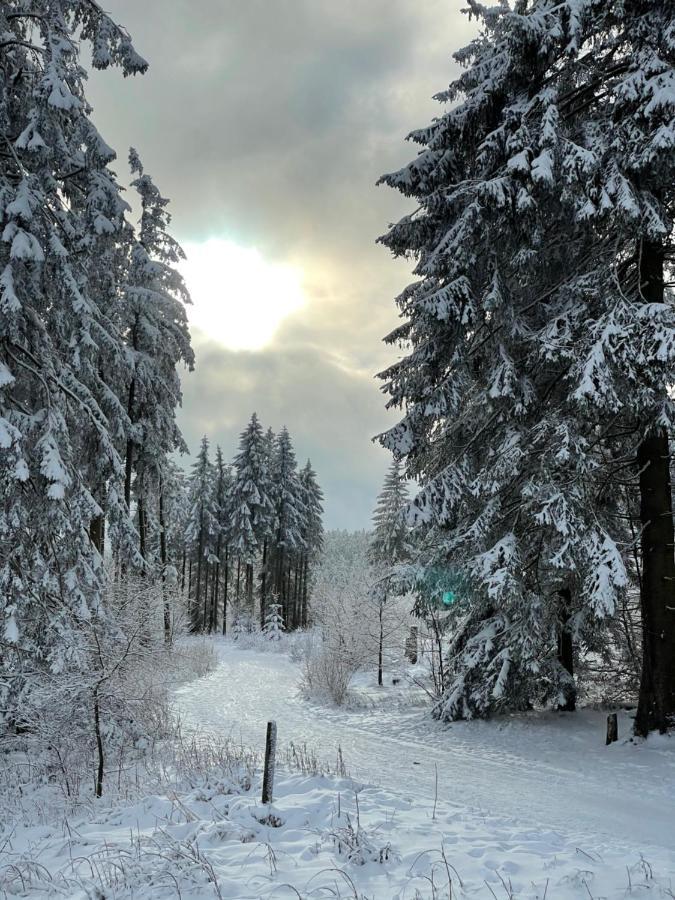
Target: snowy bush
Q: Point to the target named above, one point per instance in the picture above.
(328, 666)
(354, 618)
(92, 725)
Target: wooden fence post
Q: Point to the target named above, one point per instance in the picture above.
(612, 729)
(270, 752)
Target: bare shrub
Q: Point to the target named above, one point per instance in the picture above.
(328, 666)
(90, 727)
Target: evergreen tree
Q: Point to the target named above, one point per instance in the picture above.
(61, 354)
(289, 512)
(389, 545)
(273, 628)
(158, 340)
(201, 533)
(251, 502)
(541, 344)
(222, 498)
(269, 534)
(312, 535)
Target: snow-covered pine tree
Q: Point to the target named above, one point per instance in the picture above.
(389, 545)
(289, 513)
(62, 218)
(268, 537)
(541, 342)
(173, 510)
(312, 536)
(251, 505)
(156, 331)
(273, 628)
(222, 487)
(201, 534)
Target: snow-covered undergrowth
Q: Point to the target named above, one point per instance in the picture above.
(187, 821)
(209, 836)
(50, 768)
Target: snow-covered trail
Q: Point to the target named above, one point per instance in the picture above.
(543, 771)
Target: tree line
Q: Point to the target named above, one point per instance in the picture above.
(248, 534)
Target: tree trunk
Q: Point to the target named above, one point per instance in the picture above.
(380, 647)
(163, 560)
(227, 579)
(200, 553)
(263, 585)
(98, 790)
(142, 528)
(214, 598)
(97, 525)
(656, 704)
(305, 577)
(566, 650)
(296, 595)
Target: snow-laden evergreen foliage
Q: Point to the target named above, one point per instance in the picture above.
(201, 531)
(273, 628)
(158, 341)
(390, 542)
(539, 355)
(70, 264)
(251, 505)
(254, 529)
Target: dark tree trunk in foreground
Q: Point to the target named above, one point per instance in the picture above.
(227, 579)
(263, 585)
(656, 704)
(566, 650)
(163, 560)
(380, 648)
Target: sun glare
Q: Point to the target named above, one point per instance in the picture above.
(239, 298)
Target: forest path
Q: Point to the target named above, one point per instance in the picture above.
(548, 771)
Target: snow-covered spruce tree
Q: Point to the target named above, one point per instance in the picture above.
(289, 515)
(251, 504)
(273, 627)
(157, 337)
(222, 488)
(62, 218)
(173, 510)
(389, 546)
(268, 538)
(312, 537)
(201, 534)
(541, 341)
(390, 540)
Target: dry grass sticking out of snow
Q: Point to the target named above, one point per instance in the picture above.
(323, 837)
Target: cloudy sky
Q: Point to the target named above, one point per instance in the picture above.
(267, 123)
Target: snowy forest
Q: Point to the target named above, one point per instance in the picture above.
(209, 686)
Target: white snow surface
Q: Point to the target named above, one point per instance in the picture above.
(545, 770)
(527, 808)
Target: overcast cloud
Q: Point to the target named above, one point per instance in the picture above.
(268, 122)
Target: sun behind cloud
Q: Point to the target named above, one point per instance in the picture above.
(239, 298)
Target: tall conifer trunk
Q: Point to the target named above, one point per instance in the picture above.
(566, 649)
(227, 581)
(656, 705)
(198, 586)
(163, 560)
(263, 585)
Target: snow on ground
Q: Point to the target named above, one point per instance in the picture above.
(527, 808)
(544, 770)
